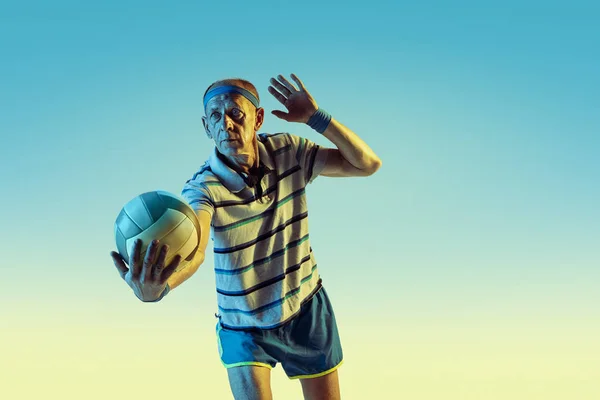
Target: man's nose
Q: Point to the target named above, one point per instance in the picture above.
(226, 123)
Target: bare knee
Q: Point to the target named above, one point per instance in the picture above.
(325, 387)
(250, 382)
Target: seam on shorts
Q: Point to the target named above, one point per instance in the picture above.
(219, 339)
(317, 375)
(238, 364)
(244, 363)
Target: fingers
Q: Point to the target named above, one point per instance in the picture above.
(298, 82)
(170, 269)
(149, 260)
(288, 86)
(119, 263)
(280, 114)
(160, 262)
(277, 95)
(282, 89)
(134, 259)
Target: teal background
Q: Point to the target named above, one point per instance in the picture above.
(466, 268)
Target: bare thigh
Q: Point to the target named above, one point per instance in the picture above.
(250, 382)
(325, 387)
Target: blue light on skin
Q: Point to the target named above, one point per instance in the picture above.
(232, 121)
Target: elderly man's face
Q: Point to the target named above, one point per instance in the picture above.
(232, 121)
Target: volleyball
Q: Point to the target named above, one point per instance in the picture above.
(158, 215)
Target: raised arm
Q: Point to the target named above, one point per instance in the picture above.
(351, 157)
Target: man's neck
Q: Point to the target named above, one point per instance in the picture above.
(242, 164)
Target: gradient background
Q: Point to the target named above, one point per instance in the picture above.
(466, 268)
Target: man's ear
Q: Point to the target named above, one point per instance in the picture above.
(260, 118)
(206, 128)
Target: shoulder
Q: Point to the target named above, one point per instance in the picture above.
(278, 143)
(201, 179)
(275, 140)
(203, 175)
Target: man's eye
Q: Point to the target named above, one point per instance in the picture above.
(215, 116)
(237, 113)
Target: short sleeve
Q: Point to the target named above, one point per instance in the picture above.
(198, 197)
(310, 156)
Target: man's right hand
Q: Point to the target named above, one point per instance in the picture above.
(148, 279)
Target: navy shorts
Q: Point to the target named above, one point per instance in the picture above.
(308, 346)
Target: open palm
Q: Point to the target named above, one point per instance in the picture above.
(299, 103)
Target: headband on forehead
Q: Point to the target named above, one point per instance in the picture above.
(230, 89)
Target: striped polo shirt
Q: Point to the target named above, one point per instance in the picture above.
(264, 265)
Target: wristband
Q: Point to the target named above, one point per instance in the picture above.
(320, 120)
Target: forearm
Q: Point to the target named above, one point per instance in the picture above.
(352, 147)
(180, 276)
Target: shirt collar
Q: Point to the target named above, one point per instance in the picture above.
(230, 178)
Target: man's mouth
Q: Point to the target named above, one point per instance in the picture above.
(231, 142)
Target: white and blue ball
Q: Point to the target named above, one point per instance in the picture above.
(158, 215)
